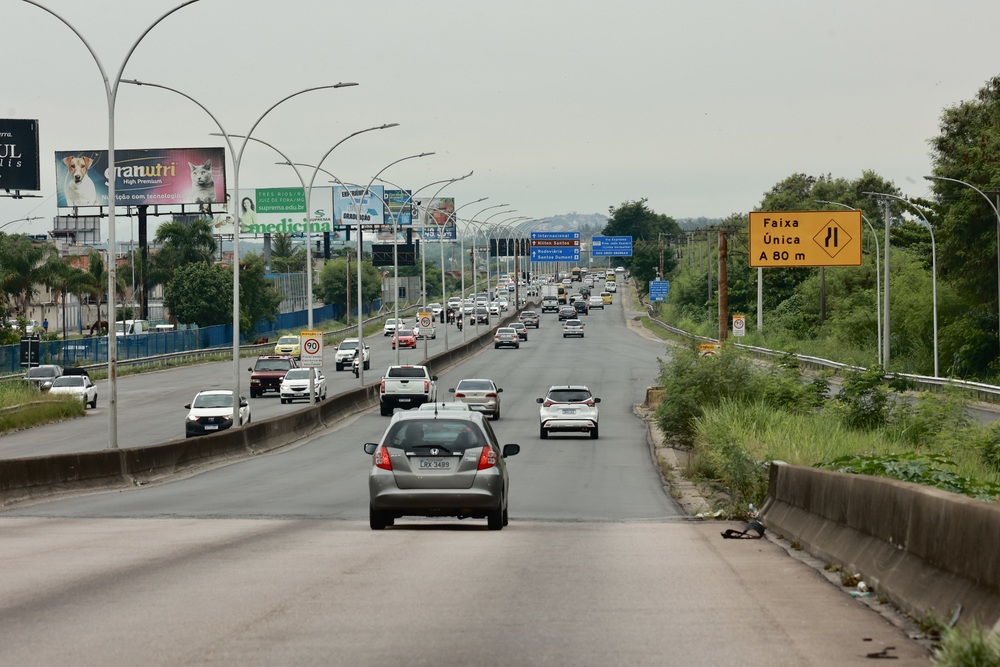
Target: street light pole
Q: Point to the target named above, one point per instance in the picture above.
(878, 297)
(996, 211)
(444, 295)
(237, 160)
(111, 92)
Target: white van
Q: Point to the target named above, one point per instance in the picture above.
(611, 286)
(131, 327)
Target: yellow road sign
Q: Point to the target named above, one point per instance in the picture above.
(805, 238)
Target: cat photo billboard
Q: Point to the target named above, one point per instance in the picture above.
(142, 177)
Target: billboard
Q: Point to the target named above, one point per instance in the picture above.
(437, 218)
(354, 204)
(398, 208)
(142, 177)
(283, 211)
(19, 161)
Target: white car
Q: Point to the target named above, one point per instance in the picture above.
(595, 301)
(80, 386)
(212, 410)
(568, 408)
(435, 308)
(344, 357)
(495, 308)
(295, 385)
(391, 325)
(572, 328)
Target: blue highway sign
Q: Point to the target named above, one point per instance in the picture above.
(611, 246)
(658, 290)
(555, 236)
(555, 254)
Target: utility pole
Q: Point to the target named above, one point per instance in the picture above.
(661, 257)
(723, 287)
(348, 253)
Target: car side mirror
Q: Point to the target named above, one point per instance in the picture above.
(243, 403)
(187, 407)
(511, 450)
(452, 390)
(539, 400)
(370, 447)
(499, 390)
(250, 369)
(597, 400)
(434, 378)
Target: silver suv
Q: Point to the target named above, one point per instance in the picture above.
(568, 407)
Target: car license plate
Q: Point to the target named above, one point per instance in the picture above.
(569, 412)
(211, 427)
(435, 464)
(404, 400)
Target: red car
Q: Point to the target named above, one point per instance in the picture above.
(406, 338)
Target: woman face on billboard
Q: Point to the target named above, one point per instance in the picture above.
(247, 205)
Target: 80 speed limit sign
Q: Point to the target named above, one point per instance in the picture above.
(311, 349)
(739, 325)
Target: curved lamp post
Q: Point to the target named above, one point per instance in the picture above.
(444, 295)
(878, 279)
(111, 92)
(927, 224)
(237, 160)
(475, 273)
(996, 212)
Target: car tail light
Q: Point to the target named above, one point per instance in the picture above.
(487, 459)
(381, 458)
(459, 395)
(381, 387)
(590, 403)
(548, 403)
(427, 387)
(491, 395)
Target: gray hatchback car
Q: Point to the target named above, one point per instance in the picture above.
(448, 464)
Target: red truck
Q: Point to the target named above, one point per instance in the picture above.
(268, 372)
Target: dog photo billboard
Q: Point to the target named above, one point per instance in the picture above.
(19, 160)
(142, 177)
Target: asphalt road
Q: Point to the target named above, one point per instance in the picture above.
(271, 561)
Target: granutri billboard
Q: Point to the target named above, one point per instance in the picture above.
(142, 177)
(19, 161)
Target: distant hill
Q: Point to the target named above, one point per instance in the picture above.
(585, 223)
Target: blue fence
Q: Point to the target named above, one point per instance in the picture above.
(83, 351)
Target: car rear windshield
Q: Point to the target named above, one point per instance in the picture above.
(68, 381)
(474, 385)
(273, 365)
(569, 395)
(455, 435)
(413, 372)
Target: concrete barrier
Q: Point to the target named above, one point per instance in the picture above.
(926, 550)
(22, 479)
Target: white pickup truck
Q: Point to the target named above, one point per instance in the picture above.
(344, 356)
(406, 387)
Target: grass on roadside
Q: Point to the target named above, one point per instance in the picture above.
(34, 408)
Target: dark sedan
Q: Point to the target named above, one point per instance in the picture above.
(567, 313)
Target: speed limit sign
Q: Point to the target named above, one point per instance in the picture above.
(739, 325)
(311, 349)
(425, 320)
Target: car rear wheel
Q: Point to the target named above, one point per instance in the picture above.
(495, 518)
(385, 410)
(93, 403)
(377, 519)
(496, 414)
(542, 433)
(593, 433)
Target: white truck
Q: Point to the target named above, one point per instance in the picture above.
(344, 357)
(406, 387)
(550, 298)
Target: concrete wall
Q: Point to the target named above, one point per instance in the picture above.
(925, 549)
(43, 476)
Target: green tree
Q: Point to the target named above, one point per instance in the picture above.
(258, 298)
(635, 219)
(200, 293)
(22, 269)
(98, 286)
(285, 257)
(332, 284)
(64, 279)
(181, 244)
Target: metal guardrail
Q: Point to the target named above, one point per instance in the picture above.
(195, 355)
(982, 392)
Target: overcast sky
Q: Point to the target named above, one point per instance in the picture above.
(558, 106)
